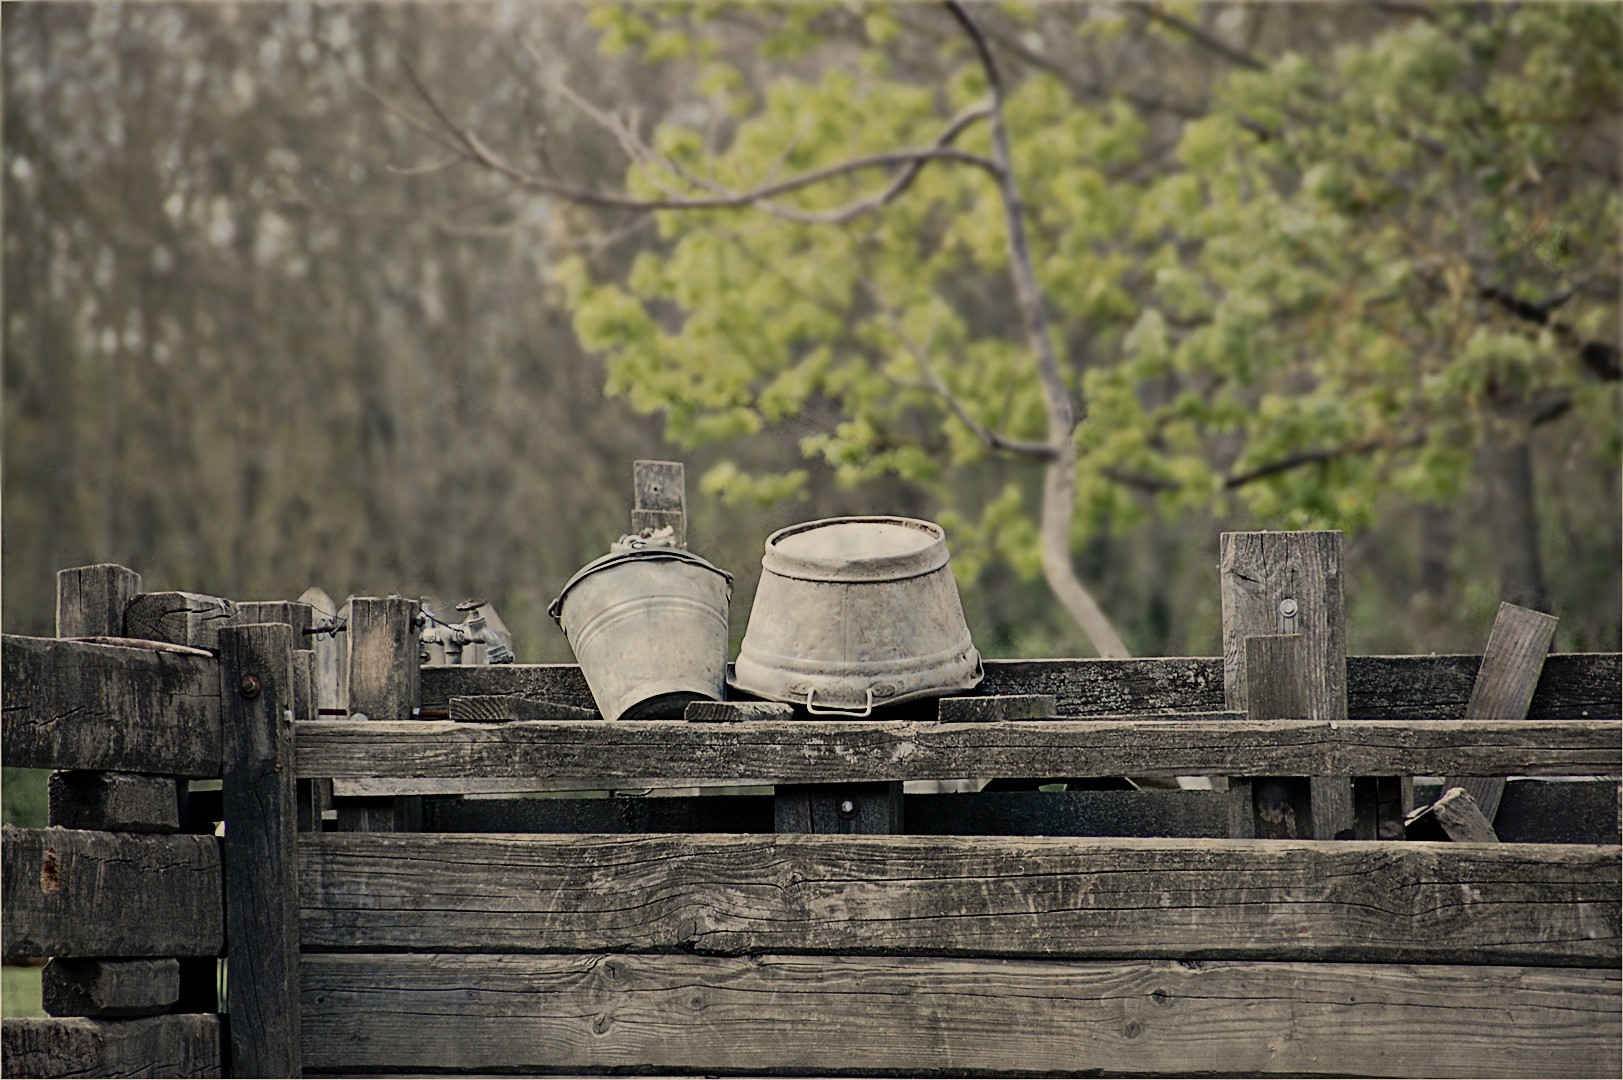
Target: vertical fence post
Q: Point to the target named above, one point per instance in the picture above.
(385, 683)
(90, 600)
(1290, 583)
(659, 498)
(261, 857)
(1279, 687)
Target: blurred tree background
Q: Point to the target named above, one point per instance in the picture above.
(1306, 265)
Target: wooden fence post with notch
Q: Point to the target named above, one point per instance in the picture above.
(261, 857)
(1284, 583)
(659, 498)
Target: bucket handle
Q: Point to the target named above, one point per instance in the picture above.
(815, 711)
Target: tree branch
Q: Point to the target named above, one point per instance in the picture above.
(1210, 42)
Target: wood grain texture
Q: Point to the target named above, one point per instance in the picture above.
(659, 498)
(108, 989)
(90, 600)
(1026, 896)
(1455, 816)
(384, 679)
(74, 893)
(1546, 812)
(838, 809)
(685, 814)
(72, 705)
(959, 710)
(261, 819)
(1574, 686)
(861, 1015)
(180, 618)
(632, 753)
(500, 707)
(1280, 683)
(736, 712)
(183, 1045)
(1511, 664)
(114, 802)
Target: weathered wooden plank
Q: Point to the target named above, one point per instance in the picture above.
(961, 710)
(383, 658)
(633, 753)
(498, 707)
(929, 1016)
(686, 814)
(1068, 813)
(1280, 683)
(74, 893)
(181, 1045)
(1455, 816)
(1559, 812)
(109, 989)
(115, 802)
(1511, 663)
(72, 705)
(734, 712)
(1574, 686)
(180, 618)
(659, 498)
(261, 819)
(838, 809)
(90, 600)
(1026, 896)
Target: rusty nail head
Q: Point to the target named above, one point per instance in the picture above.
(249, 686)
(848, 808)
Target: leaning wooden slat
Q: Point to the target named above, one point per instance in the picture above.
(86, 894)
(181, 1045)
(924, 1016)
(1025, 896)
(1574, 686)
(826, 751)
(71, 705)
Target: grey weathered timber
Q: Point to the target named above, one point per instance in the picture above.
(1290, 583)
(631, 753)
(1456, 817)
(377, 813)
(733, 712)
(90, 600)
(180, 618)
(1279, 685)
(383, 658)
(72, 705)
(928, 1016)
(182, 1045)
(304, 685)
(659, 498)
(331, 651)
(1068, 813)
(1380, 803)
(261, 819)
(497, 707)
(115, 802)
(1574, 686)
(294, 613)
(108, 989)
(952, 895)
(75, 893)
(963, 710)
(1511, 664)
(838, 809)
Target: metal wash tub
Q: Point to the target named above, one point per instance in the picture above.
(854, 613)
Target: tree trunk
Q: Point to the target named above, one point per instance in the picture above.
(1515, 515)
(1058, 511)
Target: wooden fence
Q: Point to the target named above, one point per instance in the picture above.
(390, 897)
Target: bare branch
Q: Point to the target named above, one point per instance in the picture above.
(426, 169)
(1298, 459)
(1210, 42)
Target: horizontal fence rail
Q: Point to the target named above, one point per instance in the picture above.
(1027, 896)
(629, 753)
(921, 1017)
(1573, 686)
(76, 705)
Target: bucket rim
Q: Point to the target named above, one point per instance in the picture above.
(843, 570)
(615, 558)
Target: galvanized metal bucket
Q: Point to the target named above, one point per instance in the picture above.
(854, 613)
(649, 628)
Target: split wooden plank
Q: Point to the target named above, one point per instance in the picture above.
(963, 896)
(930, 1016)
(1511, 664)
(181, 1045)
(90, 600)
(115, 802)
(736, 712)
(1455, 816)
(72, 705)
(261, 818)
(498, 707)
(659, 498)
(630, 754)
(962, 710)
(72, 893)
(109, 989)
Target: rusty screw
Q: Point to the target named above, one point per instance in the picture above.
(249, 687)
